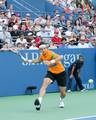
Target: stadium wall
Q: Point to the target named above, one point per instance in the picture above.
(35, 8)
(16, 76)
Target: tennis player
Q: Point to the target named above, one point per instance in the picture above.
(56, 71)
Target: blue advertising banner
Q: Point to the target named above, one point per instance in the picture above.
(16, 75)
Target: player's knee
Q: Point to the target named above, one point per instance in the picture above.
(46, 83)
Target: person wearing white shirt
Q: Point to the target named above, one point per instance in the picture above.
(82, 43)
(21, 40)
(49, 29)
(33, 47)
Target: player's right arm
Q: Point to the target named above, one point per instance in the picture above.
(33, 61)
(36, 60)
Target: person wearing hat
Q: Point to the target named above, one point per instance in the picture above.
(74, 71)
(56, 71)
(56, 39)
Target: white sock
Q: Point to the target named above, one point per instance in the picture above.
(40, 99)
(61, 99)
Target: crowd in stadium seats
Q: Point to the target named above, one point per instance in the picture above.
(75, 27)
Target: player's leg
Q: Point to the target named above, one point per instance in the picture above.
(47, 81)
(38, 101)
(61, 81)
(62, 96)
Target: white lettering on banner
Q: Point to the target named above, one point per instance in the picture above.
(89, 86)
(68, 59)
(30, 56)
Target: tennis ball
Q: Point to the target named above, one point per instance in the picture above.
(90, 81)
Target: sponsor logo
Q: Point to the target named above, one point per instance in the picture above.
(89, 86)
(68, 59)
(30, 56)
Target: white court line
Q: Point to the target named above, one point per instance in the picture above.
(82, 118)
(26, 8)
(31, 6)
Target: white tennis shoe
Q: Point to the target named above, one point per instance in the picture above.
(61, 104)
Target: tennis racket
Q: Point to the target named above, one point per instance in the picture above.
(17, 53)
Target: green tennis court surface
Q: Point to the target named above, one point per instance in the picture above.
(78, 105)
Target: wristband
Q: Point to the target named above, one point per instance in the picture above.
(29, 61)
(52, 61)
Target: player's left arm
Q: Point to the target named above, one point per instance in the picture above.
(56, 57)
(33, 61)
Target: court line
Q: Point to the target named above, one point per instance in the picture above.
(94, 116)
(26, 8)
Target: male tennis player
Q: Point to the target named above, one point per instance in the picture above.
(56, 71)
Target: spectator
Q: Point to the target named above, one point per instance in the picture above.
(82, 43)
(77, 28)
(21, 40)
(52, 46)
(56, 38)
(15, 33)
(28, 21)
(10, 11)
(7, 36)
(33, 46)
(20, 46)
(30, 40)
(37, 26)
(2, 6)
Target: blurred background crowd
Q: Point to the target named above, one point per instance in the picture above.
(74, 27)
